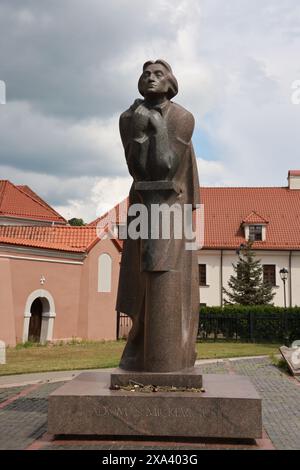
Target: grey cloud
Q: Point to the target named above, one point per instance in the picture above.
(71, 66)
(56, 190)
(33, 142)
(65, 58)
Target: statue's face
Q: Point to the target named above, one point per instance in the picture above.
(154, 80)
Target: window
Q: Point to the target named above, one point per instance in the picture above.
(255, 233)
(104, 273)
(202, 274)
(270, 274)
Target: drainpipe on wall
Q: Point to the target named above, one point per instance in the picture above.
(290, 279)
(221, 278)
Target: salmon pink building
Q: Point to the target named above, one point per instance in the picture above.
(57, 282)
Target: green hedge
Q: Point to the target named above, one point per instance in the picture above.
(250, 323)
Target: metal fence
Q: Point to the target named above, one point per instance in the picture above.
(252, 327)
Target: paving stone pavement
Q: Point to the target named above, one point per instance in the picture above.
(25, 419)
(23, 416)
(7, 393)
(281, 401)
(280, 394)
(214, 368)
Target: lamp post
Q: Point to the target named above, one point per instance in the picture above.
(284, 275)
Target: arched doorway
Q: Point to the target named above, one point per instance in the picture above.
(35, 323)
(39, 317)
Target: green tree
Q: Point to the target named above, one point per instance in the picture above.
(76, 222)
(246, 285)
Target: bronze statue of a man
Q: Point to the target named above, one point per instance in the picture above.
(158, 285)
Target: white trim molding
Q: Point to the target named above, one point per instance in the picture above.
(48, 260)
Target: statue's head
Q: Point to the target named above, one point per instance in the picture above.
(157, 77)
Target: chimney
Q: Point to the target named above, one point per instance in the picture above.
(294, 179)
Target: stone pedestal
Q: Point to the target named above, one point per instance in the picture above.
(230, 407)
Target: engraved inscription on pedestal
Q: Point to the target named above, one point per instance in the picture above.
(148, 411)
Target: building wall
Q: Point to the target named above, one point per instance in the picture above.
(80, 310)
(295, 264)
(7, 319)
(62, 281)
(211, 295)
(98, 318)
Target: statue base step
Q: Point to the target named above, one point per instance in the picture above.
(230, 407)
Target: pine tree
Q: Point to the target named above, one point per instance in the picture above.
(246, 285)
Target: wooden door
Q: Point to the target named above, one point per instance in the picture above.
(35, 324)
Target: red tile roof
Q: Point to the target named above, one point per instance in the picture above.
(35, 196)
(63, 238)
(255, 218)
(21, 202)
(294, 172)
(226, 208)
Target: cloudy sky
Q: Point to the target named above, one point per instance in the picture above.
(71, 67)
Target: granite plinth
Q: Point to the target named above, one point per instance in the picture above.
(230, 407)
(190, 378)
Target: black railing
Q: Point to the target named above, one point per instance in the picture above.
(249, 326)
(280, 326)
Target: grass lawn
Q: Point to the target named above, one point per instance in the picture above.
(211, 350)
(101, 354)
